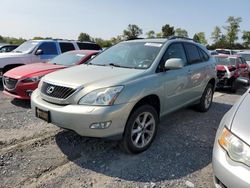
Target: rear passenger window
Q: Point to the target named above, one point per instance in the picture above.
(203, 55)
(88, 46)
(48, 48)
(175, 51)
(66, 46)
(193, 53)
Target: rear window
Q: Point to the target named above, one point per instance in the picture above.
(66, 46)
(88, 46)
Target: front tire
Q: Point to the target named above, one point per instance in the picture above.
(206, 99)
(140, 129)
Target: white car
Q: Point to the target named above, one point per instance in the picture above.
(245, 55)
(34, 51)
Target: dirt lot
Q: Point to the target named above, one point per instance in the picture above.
(36, 154)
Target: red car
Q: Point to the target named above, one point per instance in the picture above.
(229, 69)
(20, 82)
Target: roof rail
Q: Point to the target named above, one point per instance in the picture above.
(179, 37)
(134, 38)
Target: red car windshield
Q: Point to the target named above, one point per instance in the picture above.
(67, 59)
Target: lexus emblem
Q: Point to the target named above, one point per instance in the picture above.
(50, 89)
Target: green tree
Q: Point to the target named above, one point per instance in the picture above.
(84, 37)
(115, 40)
(167, 31)
(216, 34)
(200, 38)
(1, 39)
(103, 43)
(232, 29)
(133, 31)
(196, 38)
(150, 34)
(159, 35)
(246, 39)
(181, 32)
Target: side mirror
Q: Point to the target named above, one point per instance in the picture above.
(174, 63)
(39, 52)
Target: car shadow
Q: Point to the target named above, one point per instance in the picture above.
(21, 103)
(183, 145)
(240, 91)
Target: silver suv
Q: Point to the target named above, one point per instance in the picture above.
(123, 92)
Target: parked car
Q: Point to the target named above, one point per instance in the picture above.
(21, 81)
(8, 48)
(34, 51)
(124, 91)
(226, 51)
(245, 55)
(231, 152)
(229, 69)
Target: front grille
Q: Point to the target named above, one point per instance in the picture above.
(10, 83)
(59, 92)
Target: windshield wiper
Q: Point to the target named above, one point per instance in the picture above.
(18, 51)
(114, 65)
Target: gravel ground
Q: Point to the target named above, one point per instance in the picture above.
(36, 154)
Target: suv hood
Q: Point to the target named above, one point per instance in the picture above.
(240, 125)
(32, 70)
(98, 76)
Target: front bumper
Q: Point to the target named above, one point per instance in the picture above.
(79, 117)
(22, 90)
(228, 172)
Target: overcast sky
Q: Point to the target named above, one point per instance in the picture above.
(108, 18)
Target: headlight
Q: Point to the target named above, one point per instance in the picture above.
(104, 96)
(32, 79)
(237, 149)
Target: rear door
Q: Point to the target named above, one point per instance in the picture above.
(176, 82)
(198, 70)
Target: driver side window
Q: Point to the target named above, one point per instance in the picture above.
(48, 48)
(175, 50)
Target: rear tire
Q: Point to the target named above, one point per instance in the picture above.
(234, 86)
(206, 99)
(140, 130)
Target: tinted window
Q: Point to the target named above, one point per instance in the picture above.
(193, 53)
(66, 46)
(203, 55)
(175, 51)
(48, 48)
(88, 46)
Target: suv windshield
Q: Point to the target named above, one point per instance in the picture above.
(26, 47)
(67, 59)
(138, 55)
(225, 61)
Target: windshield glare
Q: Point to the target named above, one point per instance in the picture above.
(138, 55)
(67, 59)
(26, 47)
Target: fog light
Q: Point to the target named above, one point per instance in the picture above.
(100, 125)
